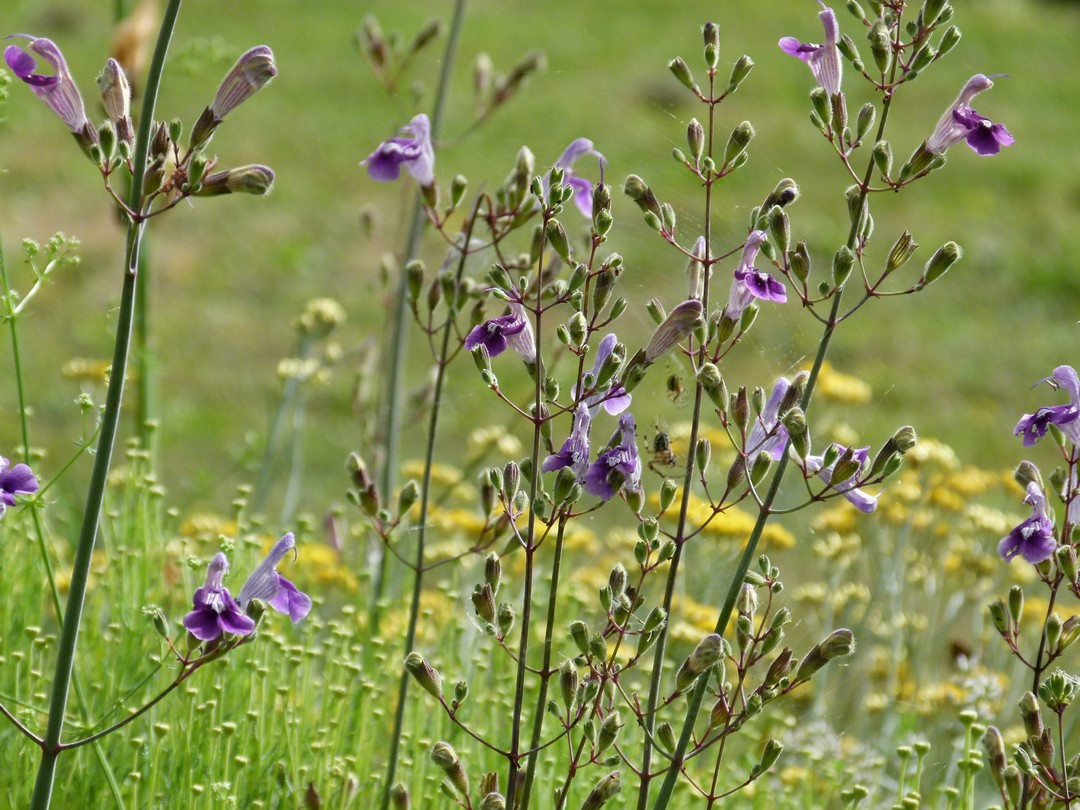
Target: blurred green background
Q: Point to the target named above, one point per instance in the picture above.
(231, 274)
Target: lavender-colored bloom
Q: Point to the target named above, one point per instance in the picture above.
(575, 450)
(618, 466)
(615, 400)
(768, 435)
(267, 585)
(1033, 426)
(859, 499)
(960, 122)
(215, 611)
(414, 152)
(1034, 538)
(19, 480)
(513, 330)
(582, 187)
(824, 60)
(57, 91)
(751, 283)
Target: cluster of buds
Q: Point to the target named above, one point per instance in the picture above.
(172, 172)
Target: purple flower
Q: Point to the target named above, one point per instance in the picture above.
(618, 466)
(1034, 538)
(575, 450)
(57, 91)
(215, 611)
(849, 487)
(267, 585)
(768, 435)
(582, 187)
(415, 153)
(19, 480)
(615, 400)
(960, 123)
(824, 60)
(751, 283)
(513, 330)
(1033, 426)
(251, 73)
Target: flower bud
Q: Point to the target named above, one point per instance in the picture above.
(823, 109)
(713, 383)
(695, 139)
(994, 746)
(1016, 604)
(711, 34)
(738, 141)
(425, 675)
(681, 71)
(1030, 714)
(605, 789)
(999, 616)
(579, 632)
(703, 454)
(444, 756)
(843, 262)
(880, 45)
(945, 257)
(483, 599)
(116, 97)
(883, 157)
(949, 40)
(252, 71)
(504, 619)
(1058, 691)
(638, 190)
(493, 801)
(254, 179)
(837, 644)
(739, 72)
(678, 325)
(609, 731)
(569, 681)
(771, 753)
(399, 796)
(865, 120)
(795, 422)
(708, 652)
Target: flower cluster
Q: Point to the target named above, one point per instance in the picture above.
(215, 611)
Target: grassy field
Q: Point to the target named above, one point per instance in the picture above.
(230, 276)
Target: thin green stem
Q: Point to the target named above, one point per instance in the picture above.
(698, 695)
(545, 667)
(69, 633)
(442, 362)
(514, 772)
(399, 338)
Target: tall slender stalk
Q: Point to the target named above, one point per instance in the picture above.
(69, 633)
(421, 529)
(399, 337)
(697, 696)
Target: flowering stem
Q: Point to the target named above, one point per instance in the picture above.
(69, 633)
(514, 772)
(395, 377)
(441, 363)
(545, 667)
(697, 697)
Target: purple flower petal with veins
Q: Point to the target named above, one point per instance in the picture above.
(215, 611)
(618, 466)
(496, 334)
(750, 283)
(1034, 538)
(961, 123)
(267, 585)
(767, 434)
(615, 400)
(582, 188)
(850, 487)
(1033, 426)
(414, 153)
(575, 450)
(57, 91)
(823, 60)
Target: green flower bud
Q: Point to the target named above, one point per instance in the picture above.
(399, 796)
(795, 422)
(556, 236)
(711, 34)
(739, 72)
(995, 754)
(569, 681)
(677, 326)
(254, 179)
(837, 644)
(493, 801)
(823, 107)
(579, 632)
(681, 71)
(609, 731)
(843, 262)
(703, 454)
(407, 497)
(461, 692)
(1058, 691)
(949, 40)
(771, 753)
(1016, 603)
(598, 647)
(999, 616)
(444, 756)
(799, 262)
(695, 139)
(1031, 715)
(665, 736)
(504, 619)
(738, 141)
(945, 257)
(638, 190)
(708, 652)
(880, 45)
(865, 121)
(605, 789)
(425, 675)
(713, 383)
(483, 599)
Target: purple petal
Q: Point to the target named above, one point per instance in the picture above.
(203, 624)
(792, 47)
(290, 600)
(577, 148)
(582, 194)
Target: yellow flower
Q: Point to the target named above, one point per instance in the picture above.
(842, 388)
